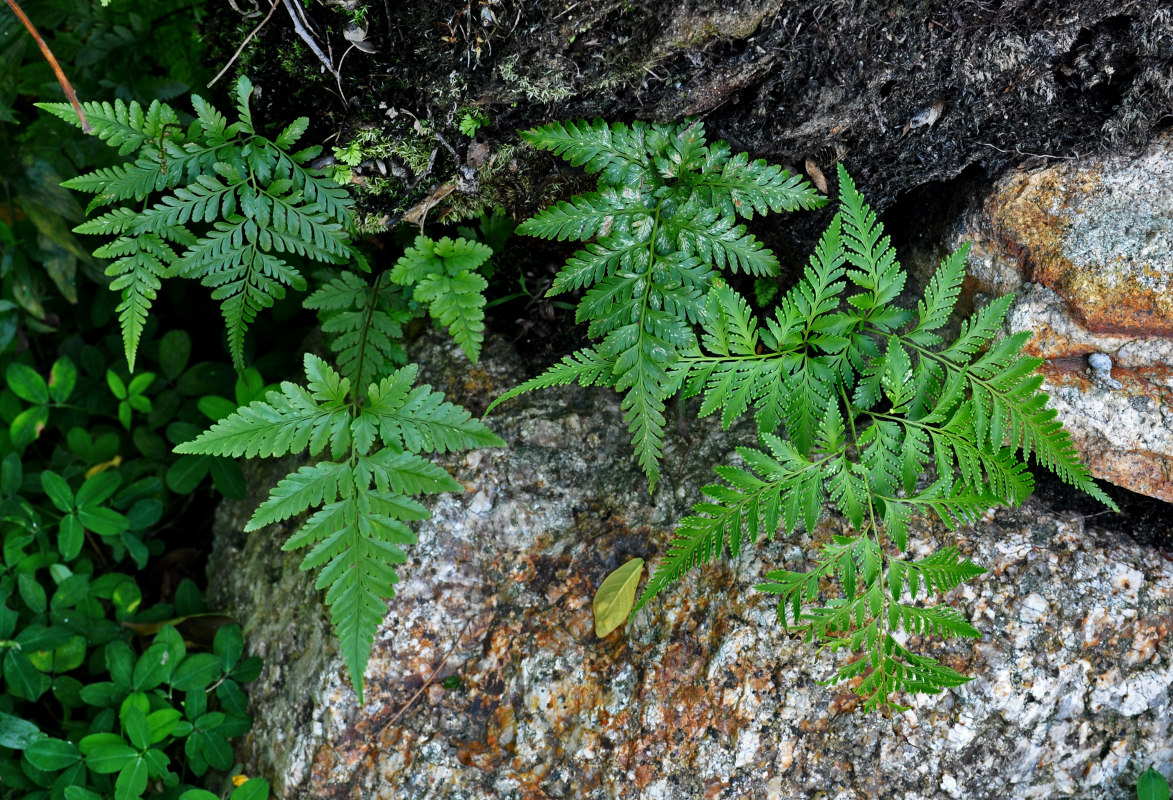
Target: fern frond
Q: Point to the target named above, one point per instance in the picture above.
(419, 420)
(119, 124)
(364, 324)
(587, 215)
(940, 297)
(357, 541)
(716, 239)
(774, 492)
(585, 367)
(937, 573)
(445, 281)
(599, 260)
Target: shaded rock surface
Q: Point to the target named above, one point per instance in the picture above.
(903, 93)
(702, 695)
(1088, 247)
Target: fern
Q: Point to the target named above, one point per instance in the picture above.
(663, 221)
(365, 323)
(445, 280)
(872, 401)
(244, 208)
(363, 495)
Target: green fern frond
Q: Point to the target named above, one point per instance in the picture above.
(940, 297)
(287, 421)
(239, 203)
(585, 367)
(664, 220)
(445, 281)
(419, 420)
(587, 215)
(365, 325)
(363, 495)
(617, 150)
(743, 187)
(778, 491)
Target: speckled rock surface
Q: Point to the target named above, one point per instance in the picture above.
(1088, 247)
(702, 696)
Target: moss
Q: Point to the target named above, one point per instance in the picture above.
(551, 88)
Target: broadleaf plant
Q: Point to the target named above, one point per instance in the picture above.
(859, 403)
(663, 223)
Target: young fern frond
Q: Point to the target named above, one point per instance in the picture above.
(246, 209)
(872, 404)
(664, 223)
(445, 280)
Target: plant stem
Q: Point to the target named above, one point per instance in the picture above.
(48, 54)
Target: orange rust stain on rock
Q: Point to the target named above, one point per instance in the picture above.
(1033, 215)
(1141, 471)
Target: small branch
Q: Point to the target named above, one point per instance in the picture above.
(48, 54)
(308, 38)
(243, 44)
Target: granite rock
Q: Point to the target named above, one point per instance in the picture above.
(1088, 246)
(702, 694)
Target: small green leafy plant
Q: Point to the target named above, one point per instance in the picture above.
(858, 401)
(99, 695)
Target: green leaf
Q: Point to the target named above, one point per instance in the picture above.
(98, 488)
(17, 733)
(1151, 785)
(227, 477)
(58, 491)
(52, 755)
(616, 596)
(132, 780)
(153, 667)
(24, 381)
(228, 646)
(109, 758)
(252, 789)
(186, 472)
(174, 353)
(62, 379)
(117, 387)
(196, 672)
(28, 424)
(135, 727)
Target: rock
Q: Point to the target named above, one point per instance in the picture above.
(905, 94)
(702, 695)
(1088, 246)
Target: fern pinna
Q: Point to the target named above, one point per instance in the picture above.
(872, 402)
(663, 222)
(216, 201)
